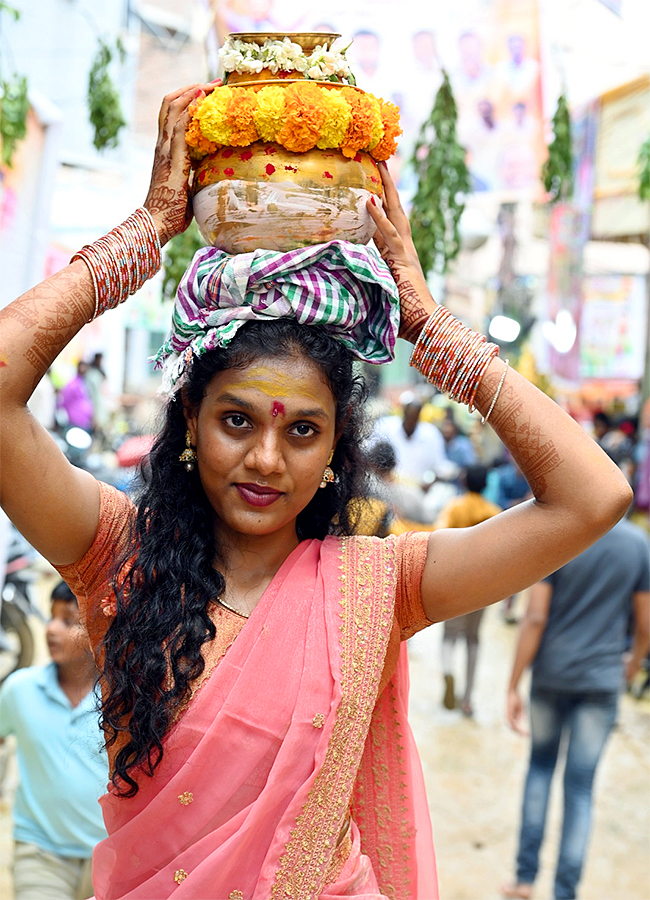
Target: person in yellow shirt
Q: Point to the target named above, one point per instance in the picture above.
(463, 512)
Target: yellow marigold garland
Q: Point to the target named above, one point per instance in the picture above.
(269, 114)
(199, 145)
(211, 113)
(338, 116)
(298, 116)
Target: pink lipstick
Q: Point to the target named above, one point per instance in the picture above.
(257, 495)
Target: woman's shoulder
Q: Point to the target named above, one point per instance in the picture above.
(90, 577)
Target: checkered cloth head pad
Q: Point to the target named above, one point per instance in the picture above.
(347, 288)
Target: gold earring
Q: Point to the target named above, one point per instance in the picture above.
(328, 474)
(188, 457)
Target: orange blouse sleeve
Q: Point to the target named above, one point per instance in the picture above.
(90, 577)
(411, 555)
(409, 617)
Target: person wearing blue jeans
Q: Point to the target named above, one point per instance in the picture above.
(574, 634)
(587, 718)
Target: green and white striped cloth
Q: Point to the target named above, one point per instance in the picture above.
(346, 288)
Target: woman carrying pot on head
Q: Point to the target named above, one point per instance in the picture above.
(253, 686)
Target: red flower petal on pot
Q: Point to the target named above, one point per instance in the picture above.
(229, 171)
(270, 169)
(327, 175)
(227, 153)
(247, 154)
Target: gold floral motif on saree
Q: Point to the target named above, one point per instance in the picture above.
(379, 801)
(368, 574)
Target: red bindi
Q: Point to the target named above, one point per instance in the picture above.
(277, 408)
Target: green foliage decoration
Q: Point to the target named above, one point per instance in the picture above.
(443, 180)
(557, 170)
(644, 170)
(14, 106)
(104, 108)
(177, 258)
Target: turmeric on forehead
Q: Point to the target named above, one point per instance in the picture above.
(270, 383)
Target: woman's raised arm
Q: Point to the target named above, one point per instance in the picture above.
(54, 504)
(579, 492)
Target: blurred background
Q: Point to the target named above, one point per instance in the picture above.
(562, 286)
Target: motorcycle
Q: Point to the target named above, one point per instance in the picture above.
(16, 637)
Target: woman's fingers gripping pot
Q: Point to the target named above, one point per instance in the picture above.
(168, 199)
(395, 243)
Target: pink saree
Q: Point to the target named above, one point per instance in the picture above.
(286, 777)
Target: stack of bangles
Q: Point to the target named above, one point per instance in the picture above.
(454, 358)
(122, 260)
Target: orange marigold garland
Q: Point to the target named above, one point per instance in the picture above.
(359, 133)
(388, 144)
(240, 111)
(304, 114)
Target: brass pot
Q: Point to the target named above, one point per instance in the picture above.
(264, 196)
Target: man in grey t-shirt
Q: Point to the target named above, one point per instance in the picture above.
(573, 635)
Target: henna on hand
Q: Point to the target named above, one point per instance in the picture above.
(168, 198)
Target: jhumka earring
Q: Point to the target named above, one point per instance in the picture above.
(328, 474)
(188, 457)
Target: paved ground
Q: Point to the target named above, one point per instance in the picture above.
(474, 771)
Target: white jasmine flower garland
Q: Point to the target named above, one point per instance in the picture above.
(322, 64)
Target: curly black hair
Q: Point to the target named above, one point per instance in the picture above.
(162, 616)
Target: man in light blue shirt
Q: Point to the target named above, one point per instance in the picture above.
(63, 767)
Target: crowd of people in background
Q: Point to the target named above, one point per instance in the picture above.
(432, 447)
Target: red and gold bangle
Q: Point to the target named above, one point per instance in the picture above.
(452, 357)
(121, 261)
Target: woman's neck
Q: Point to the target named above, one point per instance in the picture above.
(249, 563)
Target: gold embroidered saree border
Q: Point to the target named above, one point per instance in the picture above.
(367, 575)
(381, 805)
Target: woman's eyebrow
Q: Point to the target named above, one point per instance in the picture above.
(235, 400)
(317, 413)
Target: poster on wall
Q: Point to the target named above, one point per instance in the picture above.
(490, 49)
(612, 332)
(624, 125)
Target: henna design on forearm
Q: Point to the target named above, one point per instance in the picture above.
(535, 453)
(413, 309)
(414, 314)
(52, 315)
